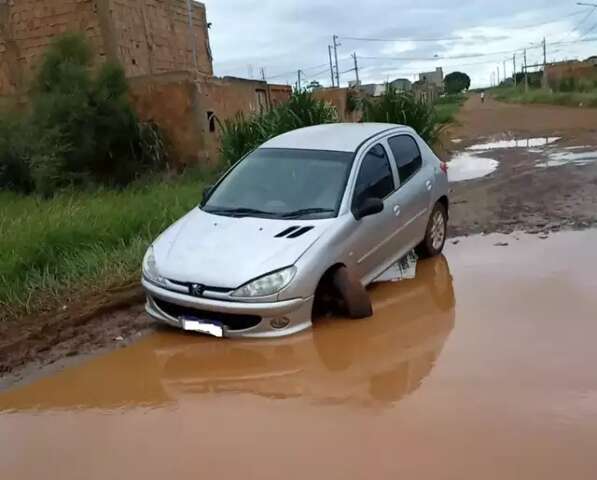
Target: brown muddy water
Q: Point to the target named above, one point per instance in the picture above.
(483, 367)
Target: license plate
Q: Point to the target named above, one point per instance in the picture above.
(200, 326)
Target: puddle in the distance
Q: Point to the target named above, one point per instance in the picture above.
(514, 143)
(456, 140)
(479, 358)
(569, 157)
(466, 166)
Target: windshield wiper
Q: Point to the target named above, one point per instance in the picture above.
(238, 212)
(306, 211)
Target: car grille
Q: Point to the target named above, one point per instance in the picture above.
(230, 320)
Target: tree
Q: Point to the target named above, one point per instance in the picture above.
(457, 82)
(314, 85)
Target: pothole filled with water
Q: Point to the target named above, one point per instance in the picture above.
(466, 166)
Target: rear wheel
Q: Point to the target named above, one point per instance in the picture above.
(435, 235)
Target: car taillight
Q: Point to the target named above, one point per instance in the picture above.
(444, 167)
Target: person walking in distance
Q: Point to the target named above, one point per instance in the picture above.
(483, 97)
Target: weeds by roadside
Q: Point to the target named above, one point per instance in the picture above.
(403, 108)
(79, 128)
(54, 250)
(243, 133)
(584, 98)
(447, 107)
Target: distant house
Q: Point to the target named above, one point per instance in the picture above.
(592, 60)
(373, 89)
(433, 78)
(402, 84)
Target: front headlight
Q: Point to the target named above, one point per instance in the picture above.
(266, 285)
(150, 268)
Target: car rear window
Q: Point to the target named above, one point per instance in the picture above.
(407, 155)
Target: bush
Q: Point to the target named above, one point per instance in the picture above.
(242, 133)
(81, 128)
(403, 108)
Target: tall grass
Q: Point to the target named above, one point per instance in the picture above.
(447, 107)
(403, 108)
(242, 133)
(52, 251)
(585, 98)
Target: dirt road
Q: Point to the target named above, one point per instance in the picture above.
(536, 187)
(522, 194)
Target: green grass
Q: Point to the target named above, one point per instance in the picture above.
(447, 107)
(78, 243)
(544, 96)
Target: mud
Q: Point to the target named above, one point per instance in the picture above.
(531, 168)
(521, 194)
(481, 367)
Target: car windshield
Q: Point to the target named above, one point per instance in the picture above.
(283, 183)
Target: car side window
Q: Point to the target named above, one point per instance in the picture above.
(407, 155)
(375, 177)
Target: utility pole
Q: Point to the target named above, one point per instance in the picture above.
(526, 76)
(336, 45)
(504, 70)
(191, 33)
(544, 80)
(356, 68)
(331, 64)
(298, 82)
(263, 74)
(514, 66)
(498, 76)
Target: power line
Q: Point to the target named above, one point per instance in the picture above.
(446, 39)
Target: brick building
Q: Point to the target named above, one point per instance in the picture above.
(168, 63)
(146, 36)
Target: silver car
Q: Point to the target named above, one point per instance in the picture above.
(331, 205)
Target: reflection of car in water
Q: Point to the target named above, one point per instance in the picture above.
(341, 360)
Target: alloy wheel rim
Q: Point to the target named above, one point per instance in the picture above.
(438, 231)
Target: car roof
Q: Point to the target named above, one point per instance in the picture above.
(342, 137)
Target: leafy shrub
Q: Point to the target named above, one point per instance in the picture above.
(403, 108)
(243, 133)
(81, 128)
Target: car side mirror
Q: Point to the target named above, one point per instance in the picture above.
(206, 193)
(370, 206)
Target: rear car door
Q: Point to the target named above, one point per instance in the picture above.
(371, 240)
(413, 197)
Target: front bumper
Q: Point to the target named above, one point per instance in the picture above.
(297, 311)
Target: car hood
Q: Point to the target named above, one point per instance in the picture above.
(227, 252)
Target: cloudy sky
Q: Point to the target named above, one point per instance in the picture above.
(474, 36)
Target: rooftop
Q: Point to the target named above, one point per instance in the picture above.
(342, 137)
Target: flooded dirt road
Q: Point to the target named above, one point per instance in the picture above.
(521, 167)
(483, 367)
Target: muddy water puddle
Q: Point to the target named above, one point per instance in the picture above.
(476, 162)
(483, 366)
(466, 166)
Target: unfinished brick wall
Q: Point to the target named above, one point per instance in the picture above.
(145, 36)
(580, 71)
(153, 36)
(27, 28)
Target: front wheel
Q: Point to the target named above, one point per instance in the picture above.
(435, 235)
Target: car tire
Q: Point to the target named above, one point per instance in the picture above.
(435, 234)
(354, 297)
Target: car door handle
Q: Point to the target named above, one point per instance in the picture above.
(396, 210)
(429, 185)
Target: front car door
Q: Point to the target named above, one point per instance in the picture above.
(371, 240)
